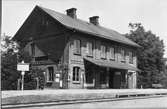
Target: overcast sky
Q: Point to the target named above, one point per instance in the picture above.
(114, 14)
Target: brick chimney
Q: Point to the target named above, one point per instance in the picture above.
(72, 12)
(94, 20)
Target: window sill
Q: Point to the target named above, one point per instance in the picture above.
(90, 56)
(103, 58)
(76, 82)
(112, 59)
(49, 81)
(130, 63)
(79, 54)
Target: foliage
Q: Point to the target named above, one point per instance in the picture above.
(9, 73)
(31, 79)
(150, 55)
(11, 54)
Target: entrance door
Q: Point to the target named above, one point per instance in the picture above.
(111, 76)
(117, 80)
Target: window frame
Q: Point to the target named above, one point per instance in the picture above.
(77, 48)
(112, 54)
(123, 56)
(48, 75)
(103, 55)
(76, 75)
(131, 57)
(88, 52)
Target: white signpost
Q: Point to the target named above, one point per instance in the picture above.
(23, 67)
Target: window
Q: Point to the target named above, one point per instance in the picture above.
(76, 73)
(77, 47)
(33, 49)
(50, 74)
(89, 49)
(41, 58)
(122, 55)
(130, 57)
(103, 52)
(112, 53)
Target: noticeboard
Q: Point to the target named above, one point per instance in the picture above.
(23, 66)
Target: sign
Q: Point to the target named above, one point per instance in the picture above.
(57, 80)
(23, 66)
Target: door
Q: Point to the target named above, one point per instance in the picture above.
(117, 80)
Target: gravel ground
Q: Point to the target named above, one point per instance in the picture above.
(6, 94)
(31, 96)
(151, 103)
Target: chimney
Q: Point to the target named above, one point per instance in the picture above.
(94, 20)
(72, 12)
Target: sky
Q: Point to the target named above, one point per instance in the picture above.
(114, 14)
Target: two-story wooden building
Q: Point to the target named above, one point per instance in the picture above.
(78, 54)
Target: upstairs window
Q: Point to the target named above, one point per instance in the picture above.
(76, 74)
(50, 74)
(89, 49)
(122, 55)
(33, 49)
(112, 53)
(77, 47)
(130, 57)
(103, 52)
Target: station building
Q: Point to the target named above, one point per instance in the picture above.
(77, 54)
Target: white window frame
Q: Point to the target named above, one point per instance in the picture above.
(48, 75)
(103, 51)
(130, 57)
(76, 79)
(123, 57)
(89, 47)
(77, 47)
(112, 53)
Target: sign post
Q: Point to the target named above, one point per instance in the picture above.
(22, 67)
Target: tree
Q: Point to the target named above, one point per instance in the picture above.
(11, 54)
(150, 55)
(8, 64)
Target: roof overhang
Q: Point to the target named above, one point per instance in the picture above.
(111, 64)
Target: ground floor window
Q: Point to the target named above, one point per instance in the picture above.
(50, 74)
(76, 73)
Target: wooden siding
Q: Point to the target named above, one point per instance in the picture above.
(97, 50)
(77, 60)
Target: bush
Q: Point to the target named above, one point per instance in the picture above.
(31, 79)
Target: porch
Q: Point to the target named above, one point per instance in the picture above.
(103, 75)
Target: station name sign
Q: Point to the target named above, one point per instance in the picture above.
(23, 66)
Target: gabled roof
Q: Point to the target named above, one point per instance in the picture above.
(88, 28)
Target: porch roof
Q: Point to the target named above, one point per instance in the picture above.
(112, 64)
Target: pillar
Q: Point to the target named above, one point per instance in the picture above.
(107, 78)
